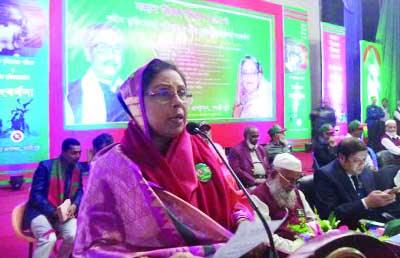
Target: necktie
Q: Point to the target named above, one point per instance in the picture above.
(359, 187)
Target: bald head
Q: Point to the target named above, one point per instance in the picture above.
(251, 134)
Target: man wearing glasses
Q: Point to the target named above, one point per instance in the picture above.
(347, 188)
(93, 99)
(279, 196)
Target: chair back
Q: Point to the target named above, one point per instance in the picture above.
(17, 217)
(306, 185)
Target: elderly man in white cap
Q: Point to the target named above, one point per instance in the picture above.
(390, 140)
(279, 195)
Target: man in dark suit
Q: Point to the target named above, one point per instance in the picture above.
(346, 188)
(249, 160)
(55, 182)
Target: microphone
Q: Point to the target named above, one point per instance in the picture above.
(194, 129)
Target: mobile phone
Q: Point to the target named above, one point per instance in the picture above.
(394, 190)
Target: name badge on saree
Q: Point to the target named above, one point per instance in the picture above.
(203, 172)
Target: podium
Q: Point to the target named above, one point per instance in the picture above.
(340, 245)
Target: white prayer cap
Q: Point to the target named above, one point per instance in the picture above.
(287, 161)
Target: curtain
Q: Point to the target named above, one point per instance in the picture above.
(353, 24)
(388, 34)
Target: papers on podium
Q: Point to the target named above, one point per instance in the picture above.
(62, 210)
(248, 236)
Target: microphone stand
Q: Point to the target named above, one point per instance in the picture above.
(273, 252)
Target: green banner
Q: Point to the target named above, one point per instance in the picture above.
(207, 41)
(24, 94)
(297, 74)
(371, 80)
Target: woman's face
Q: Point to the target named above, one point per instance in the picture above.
(250, 76)
(167, 117)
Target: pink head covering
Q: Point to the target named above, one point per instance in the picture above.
(130, 93)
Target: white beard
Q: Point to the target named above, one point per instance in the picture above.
(283, 198)
(392, 135)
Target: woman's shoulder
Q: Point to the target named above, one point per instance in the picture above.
(112, 158)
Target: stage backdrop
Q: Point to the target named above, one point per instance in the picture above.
(207, 41)
(198, 36)
(297, 74)
(334, 72)
(24, 55)
(371, 81)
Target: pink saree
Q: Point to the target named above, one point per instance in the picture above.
(139, 203)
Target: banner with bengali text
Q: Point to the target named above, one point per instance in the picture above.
(207, 41)
(333, 41)
(24, 66)
(371, 80)
(297, 74)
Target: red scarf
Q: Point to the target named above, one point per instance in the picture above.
(176, 172)
(57, 183)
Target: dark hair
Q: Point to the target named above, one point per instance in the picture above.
(67, 143)
(255, 61)
(155, 67)
(350, 146)
(248, 129)
(101, 141)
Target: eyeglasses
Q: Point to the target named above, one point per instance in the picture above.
(165, 95)
(290, 181)
(106, 48)
(357, 159)
(250, 74)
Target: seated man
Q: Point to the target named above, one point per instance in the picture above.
(346, 188)
(390, 140)
(249, 160)
(55, 181)
(280, 195)
(325, 149)
(278, 143)
(355, 129)
(206, 128)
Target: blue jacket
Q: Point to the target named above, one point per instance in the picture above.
(38, 203)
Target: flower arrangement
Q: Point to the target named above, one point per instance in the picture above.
(374, 231)
(308, 230)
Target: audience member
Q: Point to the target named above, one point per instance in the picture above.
(396, 116)
(355, 129)
(206, 128)
(278, 143)
(249, 160)
(93, 98)
(159, 192)
(323, 114)
(279, 194)
(98, 143)
(390, 140)
(385, 110)
(101, 141)
(325, 148)
(254, 92)
(374, 115)
(346, 188)
(55, 181)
